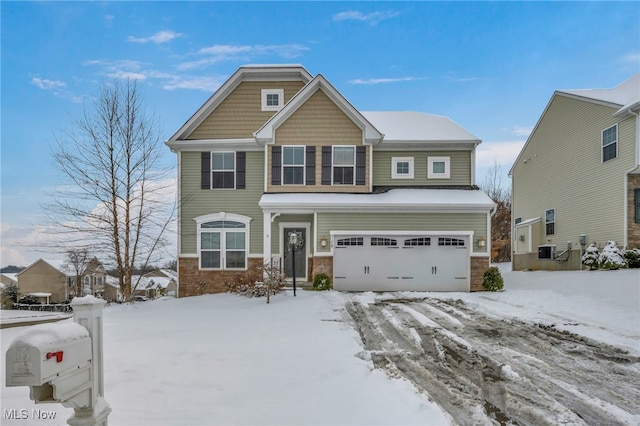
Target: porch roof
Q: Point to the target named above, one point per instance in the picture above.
(394, 200)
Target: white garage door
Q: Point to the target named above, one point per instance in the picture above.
(401, 263)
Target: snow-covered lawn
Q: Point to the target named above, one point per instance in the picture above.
(226, 359)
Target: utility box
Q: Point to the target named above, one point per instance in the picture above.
(54, 360)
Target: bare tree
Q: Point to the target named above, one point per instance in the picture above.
(501, 220)
(77, 261)
(117, 198)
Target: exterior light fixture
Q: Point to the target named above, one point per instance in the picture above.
(323, 241)
(482, 242)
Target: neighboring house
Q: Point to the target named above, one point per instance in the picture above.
(8, 278)
(45, 281)
(379, 200)
(165, 281)
(577, 178)
(112, 291)
(54, 283)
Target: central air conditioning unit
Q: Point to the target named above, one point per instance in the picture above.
(547, 252)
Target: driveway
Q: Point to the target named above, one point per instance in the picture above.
(484, 370)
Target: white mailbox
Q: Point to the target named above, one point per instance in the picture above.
(54, 360)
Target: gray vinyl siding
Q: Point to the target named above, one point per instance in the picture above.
(564, 171)
(476, 222)
(197, 202)
(460, 162)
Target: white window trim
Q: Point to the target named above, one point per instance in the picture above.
(223, 216)
(555, 220)
(602, 160)
(394, 167)
(235, 168)
(447, 168)
(304, 165)
(333, 150)
(279, 92)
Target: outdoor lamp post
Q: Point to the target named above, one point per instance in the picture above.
(293, 241)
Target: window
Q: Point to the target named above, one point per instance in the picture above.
(223, 170)
(402, 168)
(353, 241)
(636, 193)
(344, 165)
(517, 220)
(442, 241)
(610, 143)
(272, 99)
(293, 165)
(377, 241)
(223, 244)
(420, 241)
(550, 222)
(438, 168)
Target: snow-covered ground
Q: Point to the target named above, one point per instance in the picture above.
(226, 359)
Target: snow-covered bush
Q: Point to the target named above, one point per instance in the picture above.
(321, 282)
(632, 257)
(492, 279)
(611, 257)
(591, 257)
(265, 280)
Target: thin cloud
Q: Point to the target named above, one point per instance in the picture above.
(632, 57)
(207, 84)
(373, 18)
(108, 20)
(46, 84)
(160, 37)
(225, 52)
(519, 130)
(372, 81)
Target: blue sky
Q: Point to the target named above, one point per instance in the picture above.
(490, 66)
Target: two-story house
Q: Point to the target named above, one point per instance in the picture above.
(378, 200)
(577, 179)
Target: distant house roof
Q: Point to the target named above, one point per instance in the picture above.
(411, 126)
(11, 275)
(626, 94)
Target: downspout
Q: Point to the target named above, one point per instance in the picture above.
(635, 168)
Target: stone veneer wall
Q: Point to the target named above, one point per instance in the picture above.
(194, 281)
(633, 228)
(479, 266)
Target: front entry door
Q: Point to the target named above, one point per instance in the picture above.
(301, 253)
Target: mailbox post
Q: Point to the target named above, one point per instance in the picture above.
(63, 363)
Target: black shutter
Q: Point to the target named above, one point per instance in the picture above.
(361, 162)
(326, 165)
(276, 161)
(311, 165)
(241, 168)
(205, 169)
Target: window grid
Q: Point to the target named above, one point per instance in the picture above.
(352, 241)
(223, 245)
(344, 165)
(445, 241)
(550, 222)
(610, 143)
(223, 170)
(293, 165)
(378, 241)
(421, 241)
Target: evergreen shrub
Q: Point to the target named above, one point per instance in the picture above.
(492, 279)
(321, 282)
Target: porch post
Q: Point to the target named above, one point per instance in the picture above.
(266, 237)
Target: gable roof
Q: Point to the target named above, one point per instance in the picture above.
(412, 126)
(266, 133)
(283, 72)
(625, 95)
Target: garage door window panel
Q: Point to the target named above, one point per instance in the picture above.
(387, 242)
(450, 242)
(353, 241)
(417, 242)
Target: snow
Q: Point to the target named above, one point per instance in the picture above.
(412, 126)
(227, 359)
(625, 94)
(392, 200)
(49, 334)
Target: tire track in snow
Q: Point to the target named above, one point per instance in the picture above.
(483, 370)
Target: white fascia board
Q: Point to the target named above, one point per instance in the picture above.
(369, 208)
(214, 144)
(426, 145)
